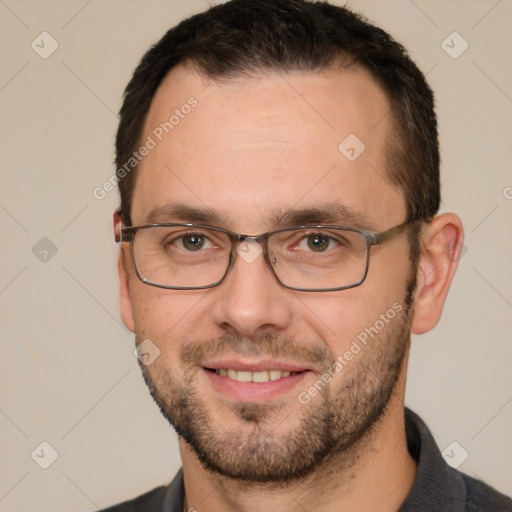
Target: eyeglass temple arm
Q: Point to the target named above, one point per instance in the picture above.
(396, 230)
(125, 235)
(125, 223)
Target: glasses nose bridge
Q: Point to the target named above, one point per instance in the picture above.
(261, 240)
(258, 239)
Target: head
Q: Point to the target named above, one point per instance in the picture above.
(243, 111)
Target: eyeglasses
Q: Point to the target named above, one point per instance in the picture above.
(303, 258)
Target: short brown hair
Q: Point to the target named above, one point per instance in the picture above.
(244, 37)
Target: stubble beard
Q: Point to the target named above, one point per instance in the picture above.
(330, 427)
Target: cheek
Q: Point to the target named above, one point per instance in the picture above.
(351, 314)
(164, 315)
(164, 319)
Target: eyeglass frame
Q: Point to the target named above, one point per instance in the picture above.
(372, 238)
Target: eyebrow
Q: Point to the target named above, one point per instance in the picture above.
(330, 213)
(181, 212)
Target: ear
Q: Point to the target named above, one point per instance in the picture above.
(124, 270)
(441, 245)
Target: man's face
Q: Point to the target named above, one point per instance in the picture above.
(255, 152)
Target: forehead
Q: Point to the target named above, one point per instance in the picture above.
(247, 147)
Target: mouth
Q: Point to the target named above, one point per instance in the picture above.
(252, 376)
(263, 381)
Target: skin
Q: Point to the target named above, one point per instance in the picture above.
(251, 147)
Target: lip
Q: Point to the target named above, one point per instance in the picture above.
(253, 391)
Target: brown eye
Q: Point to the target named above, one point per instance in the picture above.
(318, 243)
(193, 242)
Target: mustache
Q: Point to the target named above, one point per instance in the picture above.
(195, 352)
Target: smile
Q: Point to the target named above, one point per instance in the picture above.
(259, 376)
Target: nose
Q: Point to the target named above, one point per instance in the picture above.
(250, 300)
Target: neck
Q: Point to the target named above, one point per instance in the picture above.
(379, 477)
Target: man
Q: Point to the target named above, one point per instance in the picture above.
(278, 165)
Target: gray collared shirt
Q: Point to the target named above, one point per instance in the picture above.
(437, 487)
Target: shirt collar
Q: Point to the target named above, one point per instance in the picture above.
(437, 486)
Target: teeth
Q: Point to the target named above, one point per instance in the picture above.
(262, 376)
(244, 377)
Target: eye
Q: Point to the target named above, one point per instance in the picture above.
(317, 242)
(192, 242)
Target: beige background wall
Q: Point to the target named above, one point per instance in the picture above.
(68, 376)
